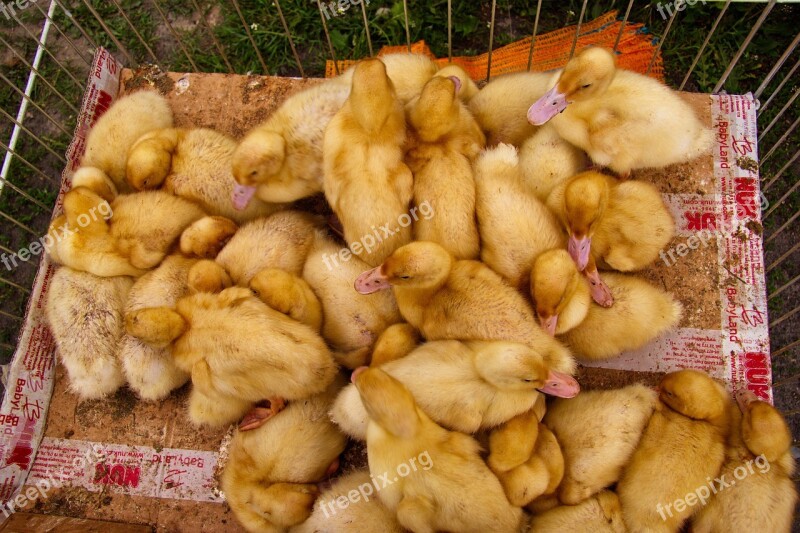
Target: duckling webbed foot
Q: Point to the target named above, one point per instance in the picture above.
(262, 412)
(601, 294)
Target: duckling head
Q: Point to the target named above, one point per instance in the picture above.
(157, 326)
(387, 401)
(96, 180)
(419, 265)
(150, 161)
(373, 100)
(258, 158)
(586, 76)
(585, 200)
(515, 366)
(554, 283)
(764, 430)
(435, 113)
(694, 394)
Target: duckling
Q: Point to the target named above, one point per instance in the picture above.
(351, 322)
(526, 457)
(289, 294)
(599, 514)
(466, 87)
(81, 237)
(515, 226)
(445, 141)
(193, 163)
(682, 448)
(207, 276)
(396, 341)
(442, 496)
(365, 512)
(622, 119)
(114, 133)
(500, 107)
(562, 298)
(282, 240)
(761, 500)
(270, 478)
(611, 224)
(206, 237)
(146, 225)
(97, 181)
(546, 160)
(598, 432)
(85, 314)
(151, 371)
(366, 181)
(237, 350)
(448, 299)
(465, 386)
(280, 160)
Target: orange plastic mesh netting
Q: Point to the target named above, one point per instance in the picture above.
(551, 51)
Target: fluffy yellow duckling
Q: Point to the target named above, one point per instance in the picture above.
(398, 340)
(145, 226)
(445, 140)
(366, 181)
(599, 514)
(440, 476)
(289, 294)
(526, 457)
(365, 512)
(85, 314)
(129, 118)
(682, 449)
(281, 159)
(546, 160)
(760, 463)
(81, 238)
(515, 226)
(351, 321)
(621, 225)
(500, 107)
(151, 371)
(448, 299)
(562, 297)
(206, 237)
(467, 88)
(622, 119)
(465, 386)
(271, 475)
(193, 163)
(282, 240)
(237, 350)
(598, 432)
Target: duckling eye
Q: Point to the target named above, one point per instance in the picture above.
(586, 86)
(405, 277)
(529, 380)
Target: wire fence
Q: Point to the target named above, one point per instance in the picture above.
(47, 47)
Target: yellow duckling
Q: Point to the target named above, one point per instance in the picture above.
(623, 120)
